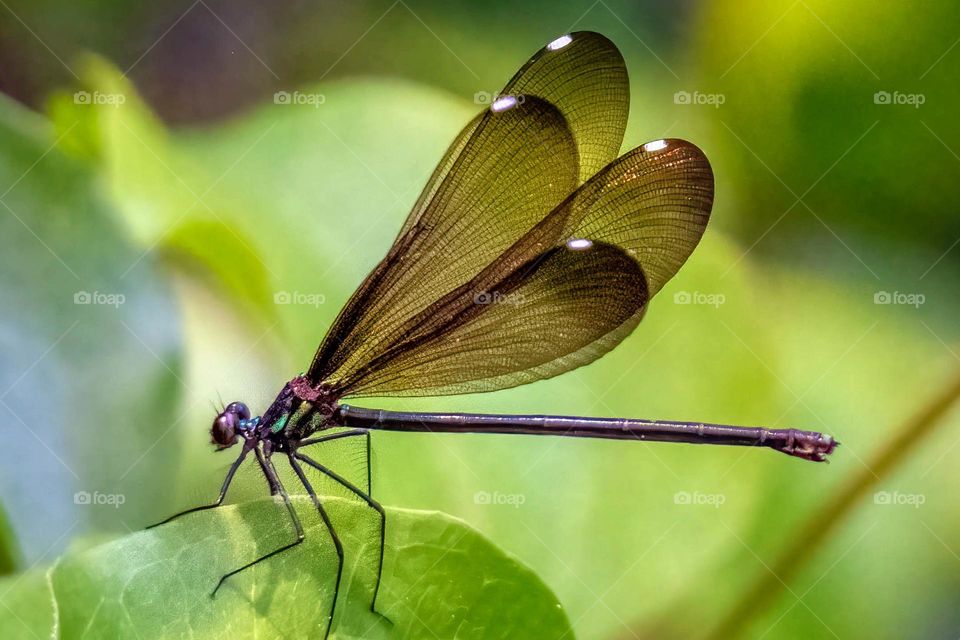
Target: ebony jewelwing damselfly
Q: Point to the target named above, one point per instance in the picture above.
(532, 250)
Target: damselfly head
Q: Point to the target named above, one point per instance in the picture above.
(228, 423)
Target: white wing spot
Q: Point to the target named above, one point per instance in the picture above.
(578, 244)
(503, 104)
(560, 42)
(656, 145)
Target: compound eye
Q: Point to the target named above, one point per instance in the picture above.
(239, 408)
(224, 429)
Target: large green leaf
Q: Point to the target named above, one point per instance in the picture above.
(441, 579)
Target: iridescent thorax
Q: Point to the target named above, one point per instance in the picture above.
(299, 410)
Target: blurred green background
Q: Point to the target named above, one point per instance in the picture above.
(156, 199)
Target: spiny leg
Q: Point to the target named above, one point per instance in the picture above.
(275, 488)
(333, 534)
(370, 502)
(220, 498)
(346, 434)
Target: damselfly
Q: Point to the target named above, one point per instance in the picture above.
(532, 250)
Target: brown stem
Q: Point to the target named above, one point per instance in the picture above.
(771, 583)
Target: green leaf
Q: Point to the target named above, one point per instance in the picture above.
(440, 579)
(215, 253)
(163, 196)
(106, 121)
(28, 609)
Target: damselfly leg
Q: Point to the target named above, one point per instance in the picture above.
(276, 488)
(220, 498)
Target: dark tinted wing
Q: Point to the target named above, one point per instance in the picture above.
(558, 120)
(503, 175)
(531, 322)
(584, 76)
(564, 294)
(654, 202)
